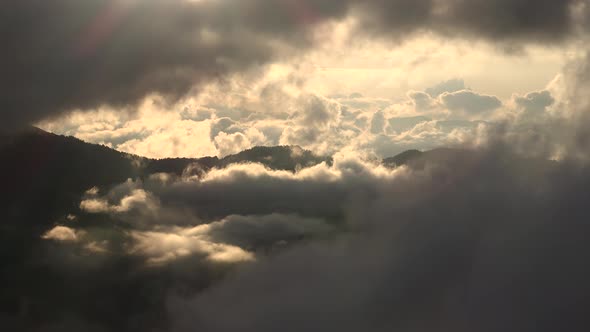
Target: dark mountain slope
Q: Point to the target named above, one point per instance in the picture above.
(279, 157)
(42, 179)
(43, 175)
(402, 158)
(288, 158)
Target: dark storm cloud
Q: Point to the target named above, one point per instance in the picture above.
(510, 19)
(65, 54)
(497, 20)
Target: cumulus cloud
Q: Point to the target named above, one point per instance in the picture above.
(324, 125)
(234, 239)
(162, 247)
(62, 233)
(535, 102)
(469, 102)
(137, 199)
(153, 131)
(238, 141)
(94, 205)
(550, 123)
(422, 101)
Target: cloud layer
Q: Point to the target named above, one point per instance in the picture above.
(69, 55)
(455, 239)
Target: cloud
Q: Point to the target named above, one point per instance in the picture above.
(98, 50)
(450, 86)
(266, 231)
(463, 227)
(152, 131)
(378, 123)
(551, 123)
(136, 199)
(94, 205)
(161, 247)
(324, 125)
(400, 125)
(321, 124)
(232, 143)
(536, 100)
(449, 99)
(469, 102)
(316, 112)
(422, 101)
(85, 55)
(62, 233)
(231, 240)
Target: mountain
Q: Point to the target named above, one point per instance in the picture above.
(402, 158)
(43, 176)
(51, 172)
(288, 158)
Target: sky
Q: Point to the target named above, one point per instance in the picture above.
(484, 231)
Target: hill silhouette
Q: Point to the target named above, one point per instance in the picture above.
(51, 172)
(402, 158)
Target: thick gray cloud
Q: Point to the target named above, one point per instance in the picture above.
(65, 54)
(83, 54)
(501, 20)
(509, 19)
(482, 241)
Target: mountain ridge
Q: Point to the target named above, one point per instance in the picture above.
(51, 172)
